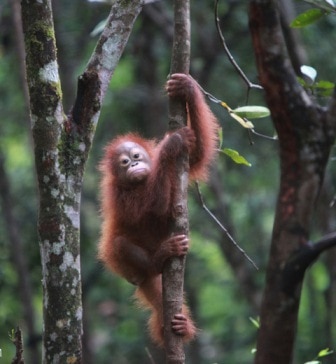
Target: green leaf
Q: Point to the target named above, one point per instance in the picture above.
(324, 88)
(320, 88)
(252, 112)
(308, 17)
(313, 362)
(302, 82)
(325, 352)
(235, 156)
(325, 84)
(255, 322)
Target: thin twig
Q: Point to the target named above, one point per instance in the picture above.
(229, 55)
(214, 99)
(275, 137)
(150, 357)
(223, 227)
(249, 84)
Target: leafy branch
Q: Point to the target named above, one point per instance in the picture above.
(249, 84)
(243, 114)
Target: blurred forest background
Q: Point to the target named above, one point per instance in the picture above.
(223, 289)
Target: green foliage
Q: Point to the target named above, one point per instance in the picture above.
(123, 75)
(252, 111)
(117, 329)
(323, 353)
(218, 296)
(235, 156)
(255, 322)
(10, 307)
(320, 88)
(310, 16)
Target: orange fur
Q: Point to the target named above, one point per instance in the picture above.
(137, 217)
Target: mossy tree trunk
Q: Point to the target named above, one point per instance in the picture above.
(62, 143)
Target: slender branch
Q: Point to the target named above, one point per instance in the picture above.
(93, 83)
(275, 137)
(222, 103)
(303, 258)
(325, 243)
(249, 84)
(204, 206)
(150, 357)
(173, 271)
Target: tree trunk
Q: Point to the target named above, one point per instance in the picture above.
(62, 145)
(306, 134)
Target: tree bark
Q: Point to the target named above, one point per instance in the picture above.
(306, 134)
(18, 343)
(173, 272)
(62, 145)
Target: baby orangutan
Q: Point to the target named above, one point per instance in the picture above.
(138, 190)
